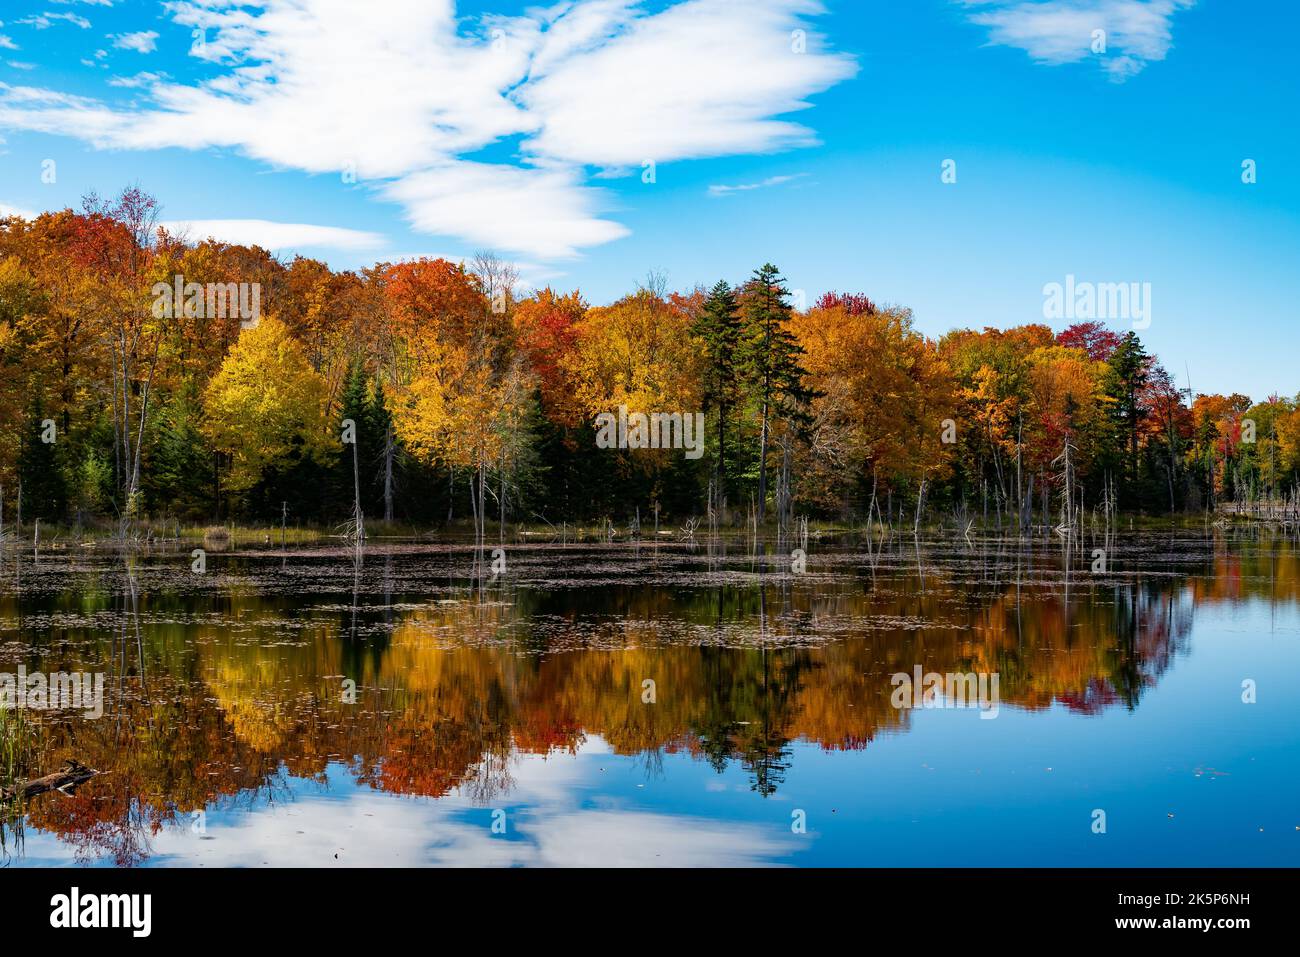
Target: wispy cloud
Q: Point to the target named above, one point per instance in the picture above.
(1133, 32)
(143, 41)
(139, 80)
(404, 92)
(529, 275)
(545, 212)
(723, 190)
(274, 236)
(270, 235)
(42, 21)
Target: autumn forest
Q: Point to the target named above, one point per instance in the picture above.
(466, 400)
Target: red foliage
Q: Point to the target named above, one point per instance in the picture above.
(855, 304)
(430, 294)
(1093, 338)
(547, 325)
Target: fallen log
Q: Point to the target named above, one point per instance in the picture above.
(66, 781)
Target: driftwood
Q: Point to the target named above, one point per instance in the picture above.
(72, 776)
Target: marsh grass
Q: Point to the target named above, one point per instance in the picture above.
(15, 755)
(149, 533)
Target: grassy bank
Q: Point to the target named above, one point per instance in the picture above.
(241, 536)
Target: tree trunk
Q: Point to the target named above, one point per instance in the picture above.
(762, 465)
(388, 473)
(357, 516)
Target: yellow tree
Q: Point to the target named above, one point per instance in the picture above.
(885, 396)
(991, 366)
(638, 352)
(265, 406)
(1067, 398)
(22, 319)
(1288, 441)
(462, 385)
(114, 241)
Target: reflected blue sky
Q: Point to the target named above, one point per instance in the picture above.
(1191, 777)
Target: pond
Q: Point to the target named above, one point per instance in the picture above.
(676, 703)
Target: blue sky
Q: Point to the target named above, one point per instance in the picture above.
(427, 127)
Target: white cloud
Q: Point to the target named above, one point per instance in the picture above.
(274, 236)
(406, 93)
(48, 111)
(702, 78)
(42, 21)
(723, 190)
(6, 43)
(553, 821)
(143, 41)
(7, 210)
(139, 80)
(547, 213)
(529, 275)
(1137, 32)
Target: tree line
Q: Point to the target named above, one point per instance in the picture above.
(430, 392)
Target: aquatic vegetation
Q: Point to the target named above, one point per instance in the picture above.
(15, 755)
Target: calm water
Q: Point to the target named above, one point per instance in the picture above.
(520, 703)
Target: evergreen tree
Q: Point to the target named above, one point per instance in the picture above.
(719, 327)
(369, 431)
(44, 491)
(1130, 368)
(180, 470)
(379, 421)
(771, 358)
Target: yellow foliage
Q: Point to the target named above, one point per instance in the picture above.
(885, 392)
(638, 352)
(265, 406)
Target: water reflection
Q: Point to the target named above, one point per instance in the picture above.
(233, 689)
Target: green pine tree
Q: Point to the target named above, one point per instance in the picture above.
(354, 404)
(180, 473)
(40, 473)
(1130, 368)
(379, 422)
(771, 358)
(719, 327)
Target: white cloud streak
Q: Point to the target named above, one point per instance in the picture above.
(274, 236)
(1135, 32)
(406, 95)
(7, 210)
(42, 21)
(724, 190)
(144, 41)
